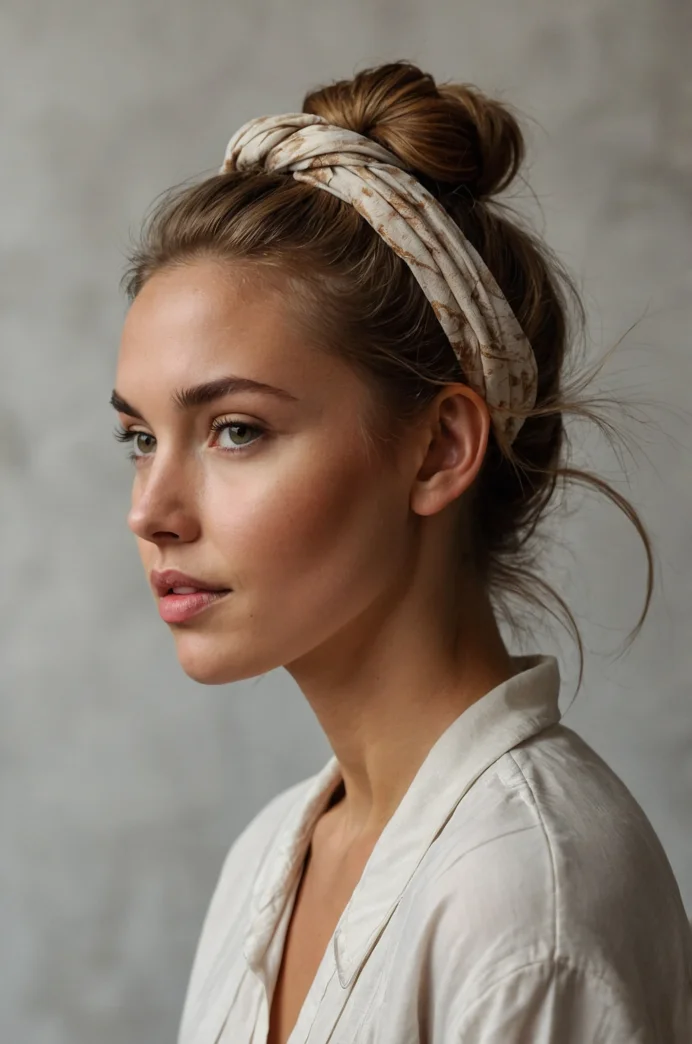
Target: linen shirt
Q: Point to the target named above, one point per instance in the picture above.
(518, 895)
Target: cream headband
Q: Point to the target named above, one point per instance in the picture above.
(492, 349)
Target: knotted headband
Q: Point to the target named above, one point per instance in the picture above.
(493, 351)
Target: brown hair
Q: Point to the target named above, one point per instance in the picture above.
(464, 148)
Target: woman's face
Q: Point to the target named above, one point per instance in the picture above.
(283, 506)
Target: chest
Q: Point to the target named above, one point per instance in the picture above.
(322, 896)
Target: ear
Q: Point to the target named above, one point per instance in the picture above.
(454, 439)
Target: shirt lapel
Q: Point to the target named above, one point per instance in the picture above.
(222, 984)
(284, 862)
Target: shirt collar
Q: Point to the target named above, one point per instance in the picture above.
(510, 713)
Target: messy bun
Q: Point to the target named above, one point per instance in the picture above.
(363, 302)
(452, 135)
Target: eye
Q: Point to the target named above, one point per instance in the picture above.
(144, 443)
(241, 428)
(145, 449)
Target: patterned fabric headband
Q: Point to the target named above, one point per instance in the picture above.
(493, 351)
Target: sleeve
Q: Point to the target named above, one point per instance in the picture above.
(552, 1002)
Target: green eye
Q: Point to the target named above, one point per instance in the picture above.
(144, 449)
(144, 444)
(134, 436)
(222, 425)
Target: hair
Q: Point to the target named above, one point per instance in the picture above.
(366, 305)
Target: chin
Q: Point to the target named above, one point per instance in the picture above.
(214, 662)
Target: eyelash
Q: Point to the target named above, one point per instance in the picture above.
(129, 435)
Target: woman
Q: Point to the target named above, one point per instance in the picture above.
(340, 376)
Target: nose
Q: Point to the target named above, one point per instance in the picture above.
(164, 508)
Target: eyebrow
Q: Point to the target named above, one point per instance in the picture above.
(201, 394)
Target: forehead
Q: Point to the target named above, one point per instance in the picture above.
(199, 321)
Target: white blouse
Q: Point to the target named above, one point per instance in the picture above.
(518, 895)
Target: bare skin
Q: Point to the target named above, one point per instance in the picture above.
(338, 561)
(325, 887)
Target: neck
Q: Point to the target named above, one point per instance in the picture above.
(386, 689)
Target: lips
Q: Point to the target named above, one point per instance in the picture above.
(182, 596)
(172, 580)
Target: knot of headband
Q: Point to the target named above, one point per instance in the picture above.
(493, 351)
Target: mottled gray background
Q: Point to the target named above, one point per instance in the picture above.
(123, 782)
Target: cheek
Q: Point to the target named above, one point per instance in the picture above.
(312, 534)
(307, 548)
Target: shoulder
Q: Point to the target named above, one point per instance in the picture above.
(603, 860)
(551, 821)
(549, 875)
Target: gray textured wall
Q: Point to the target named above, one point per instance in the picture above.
(122, 781)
